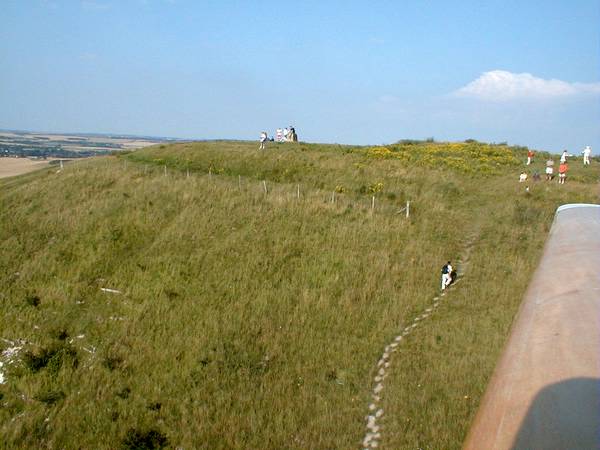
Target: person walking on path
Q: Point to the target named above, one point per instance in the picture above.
(530, 155)
(563, 157)
(562, 172)
(587, 151)
(263, 139)
(446, 275)
(549, 169)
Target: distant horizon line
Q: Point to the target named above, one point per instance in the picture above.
(180, 139)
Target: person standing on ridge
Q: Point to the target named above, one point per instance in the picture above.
(562, 172)
(563, 157)
(549, 169)
(587, 151)
(530, 155)
(263, 139)
(446, 275)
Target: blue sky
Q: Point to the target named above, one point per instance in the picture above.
(526, 72)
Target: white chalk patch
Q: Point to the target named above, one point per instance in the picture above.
(378, 388)
(378, 379)
(398, 338)
(379, 413)
(111, 291)
(372, 406)
(386, 365)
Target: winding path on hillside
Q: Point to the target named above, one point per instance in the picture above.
(373, 432)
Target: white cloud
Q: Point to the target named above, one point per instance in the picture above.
(500, 85)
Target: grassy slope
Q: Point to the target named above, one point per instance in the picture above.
(255, 321)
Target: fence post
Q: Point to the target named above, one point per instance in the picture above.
(407, 208)
(165, 171)
(240, 182)
(373, 203)
(265, 186)
(61, 165)
(298, 192)
(333, 197)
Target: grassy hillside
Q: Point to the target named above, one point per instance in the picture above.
(253, 319)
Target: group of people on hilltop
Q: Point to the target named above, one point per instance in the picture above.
(562, 168)
(281, 135)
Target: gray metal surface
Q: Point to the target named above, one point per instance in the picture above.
(545, 391)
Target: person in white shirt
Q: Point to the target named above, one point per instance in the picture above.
(446, 275)
(563, 157)
(587, 151)
(263, 139)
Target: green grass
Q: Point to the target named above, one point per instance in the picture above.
(253, 320)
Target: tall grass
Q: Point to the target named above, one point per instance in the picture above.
(253, 320)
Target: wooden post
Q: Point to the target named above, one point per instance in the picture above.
(240, 182)
(210, 173)
(61, 165)
(165, 171)
(333, 197)
(265, 186)
(373, 203)
(407, 208)
(298, 192)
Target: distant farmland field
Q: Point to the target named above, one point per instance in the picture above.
(10, 167)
